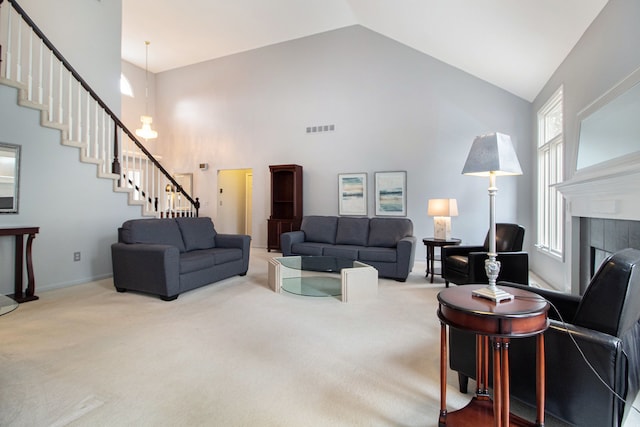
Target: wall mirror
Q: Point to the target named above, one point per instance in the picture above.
(610, 126)
(9, 177)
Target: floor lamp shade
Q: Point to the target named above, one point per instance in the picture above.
(492, 155)
(442, 210)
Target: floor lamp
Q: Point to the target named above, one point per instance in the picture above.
(492, 155)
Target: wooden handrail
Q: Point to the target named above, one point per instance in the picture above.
(101, 103)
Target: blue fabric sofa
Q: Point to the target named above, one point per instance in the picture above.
(387, 244)
(166, 257)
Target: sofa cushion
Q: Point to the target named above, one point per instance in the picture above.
(306, 248)
(386, 232)
(378, 254)
(195, 261)
(224, 255)
(152, 231)
(352, 231)
(342, 251)
(319, 229)
(197, 233)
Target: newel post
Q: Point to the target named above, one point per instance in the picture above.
(115, 165)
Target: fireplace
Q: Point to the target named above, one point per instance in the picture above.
(602, 194)
(603, 208)
(601, 237)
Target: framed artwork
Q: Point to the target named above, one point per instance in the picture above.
(352, 194)
(391, 193)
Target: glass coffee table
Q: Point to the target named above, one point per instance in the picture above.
(317, 276)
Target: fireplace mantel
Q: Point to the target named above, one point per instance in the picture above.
(608, 190)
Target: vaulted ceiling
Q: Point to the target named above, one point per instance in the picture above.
(513, 44)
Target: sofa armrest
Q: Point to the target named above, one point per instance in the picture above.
(447, 251)
(288, 239)
(406, 250)
(147, 268)
(565, 304)
(240, 241)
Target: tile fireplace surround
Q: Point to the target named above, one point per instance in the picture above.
(600, 238)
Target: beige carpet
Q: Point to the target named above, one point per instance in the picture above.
(230, 354)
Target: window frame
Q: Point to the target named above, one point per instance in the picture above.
(550, 158)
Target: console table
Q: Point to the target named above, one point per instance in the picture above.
(524, 316)
(19, 232)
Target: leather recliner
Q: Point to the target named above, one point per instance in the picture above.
(604, 323)
(465, 264)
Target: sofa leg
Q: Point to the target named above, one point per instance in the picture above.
(463, 382)
(401, 280)
(171, 298)
(120, 289)
(446, 283)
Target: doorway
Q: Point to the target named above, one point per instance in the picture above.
(234, 202)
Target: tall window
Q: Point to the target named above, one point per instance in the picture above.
(125, 86)
(550, 172)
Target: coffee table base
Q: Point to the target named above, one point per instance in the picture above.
(358, 283)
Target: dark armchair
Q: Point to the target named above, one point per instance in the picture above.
(465, 264)
(605, 324)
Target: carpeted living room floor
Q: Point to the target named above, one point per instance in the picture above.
(229, 354)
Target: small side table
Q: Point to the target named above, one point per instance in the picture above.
(431, 243)
(524, 316)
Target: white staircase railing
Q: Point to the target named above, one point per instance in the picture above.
(47, 82)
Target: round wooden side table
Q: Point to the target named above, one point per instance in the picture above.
(431, 243)
(524, 316)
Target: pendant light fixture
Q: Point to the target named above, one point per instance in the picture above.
(145, 131)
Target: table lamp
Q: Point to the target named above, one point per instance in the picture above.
(492, 155)
(442, 210)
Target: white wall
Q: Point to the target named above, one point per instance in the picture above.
(74, 210)
(394, 108)
(607, 52)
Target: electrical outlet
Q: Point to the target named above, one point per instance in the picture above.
(76, 256)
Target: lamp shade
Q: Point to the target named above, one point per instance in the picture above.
(492, 153)
(442, 207)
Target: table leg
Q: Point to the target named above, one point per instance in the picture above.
(428, 260)
(426, 271)
(497, 383)
(18, 267)
(432, 256)
(442, 420)
(482, 365)
(504, 359)
(31, 284)
(540, 379)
